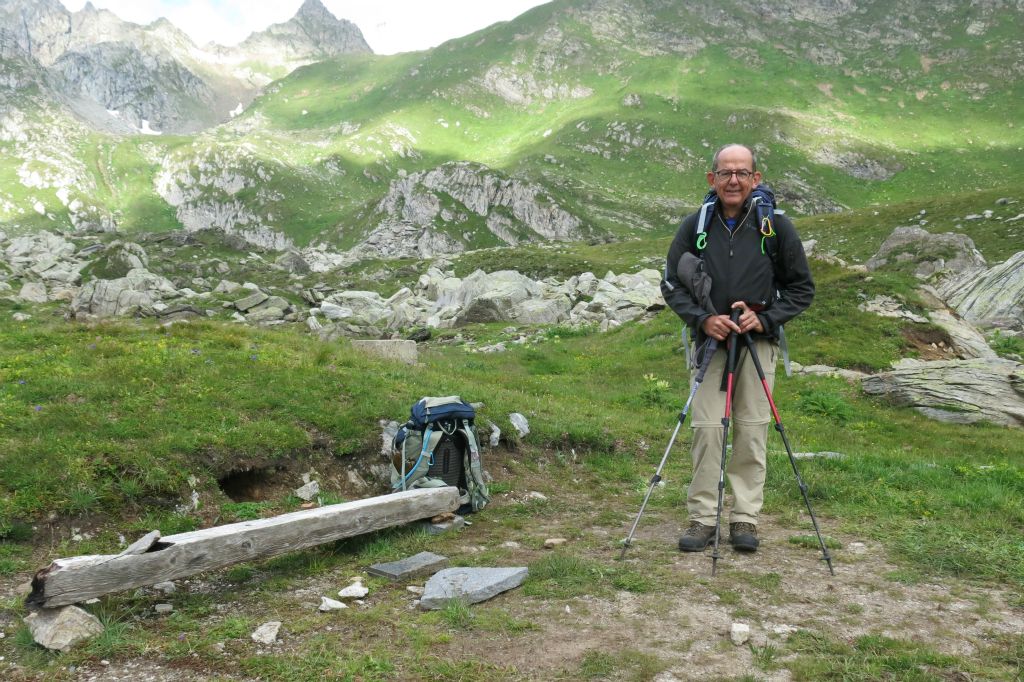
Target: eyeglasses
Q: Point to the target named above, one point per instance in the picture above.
(741, 174)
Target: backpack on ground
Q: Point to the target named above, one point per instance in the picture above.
(439, 446)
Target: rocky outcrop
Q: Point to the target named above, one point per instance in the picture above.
(444, 301)
(46, 263)
(992, 297)
(204, 188)
(930, 254)
(957, 391)
(137, 293)
(151, 91)
(438, 211)
(523, 88)
(856, 164)
(40, 27)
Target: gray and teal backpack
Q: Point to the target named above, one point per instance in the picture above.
(439, 447)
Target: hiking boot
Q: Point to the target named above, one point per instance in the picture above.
(743, 536)
(697, 537)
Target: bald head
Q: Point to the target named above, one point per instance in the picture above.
(730, 146)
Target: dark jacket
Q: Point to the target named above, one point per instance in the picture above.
(741, 272)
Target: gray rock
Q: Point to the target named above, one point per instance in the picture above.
(328, 604)
(932, 253)
(542, 311)
(819, 455)
(394, 349)
(957, 391)
(251, 301)
(308, 492)
(226, 287)
(989, 297)
(739, 633)
(410, 567)
(33, 292)
(519, 423)
(292, 261)
(967, 341)
(266, 633)
(887, 306)
(471, 585)
(265, 314)
(354, 591)
(333, 311)
(134, 294)
(60, 629)
(163, 609)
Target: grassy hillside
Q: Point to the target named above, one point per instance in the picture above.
(613, 109)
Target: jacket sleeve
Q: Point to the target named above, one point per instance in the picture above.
(677, 296)
(792, 277)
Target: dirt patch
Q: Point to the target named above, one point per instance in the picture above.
(930, 344)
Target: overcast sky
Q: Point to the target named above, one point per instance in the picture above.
(389, 26)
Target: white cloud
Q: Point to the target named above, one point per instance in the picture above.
(389, 26)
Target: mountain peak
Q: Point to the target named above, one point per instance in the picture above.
(312, 34)
(314, 8)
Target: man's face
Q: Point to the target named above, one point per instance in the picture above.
(733, 190)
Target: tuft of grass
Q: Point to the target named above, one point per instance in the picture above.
(825, 404)
(562, 575)
(628, 664)
(457, 615)
(766, 657)
(868, 657)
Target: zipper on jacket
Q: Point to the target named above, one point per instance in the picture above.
(739, 224)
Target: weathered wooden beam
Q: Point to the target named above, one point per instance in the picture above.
(76, 579)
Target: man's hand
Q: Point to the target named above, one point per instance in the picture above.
(719, 326)
(749, 322)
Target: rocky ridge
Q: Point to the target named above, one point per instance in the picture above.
(152, 78)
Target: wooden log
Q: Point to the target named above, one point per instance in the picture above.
(76, 579)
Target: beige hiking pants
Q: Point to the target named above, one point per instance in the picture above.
(748, 425)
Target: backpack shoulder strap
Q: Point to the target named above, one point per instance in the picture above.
(707, 212)
(770, 247)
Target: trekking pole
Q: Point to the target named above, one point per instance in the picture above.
(730, 372)
(789, 450)
(708, 354)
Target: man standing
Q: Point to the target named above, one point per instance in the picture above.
(770, 284)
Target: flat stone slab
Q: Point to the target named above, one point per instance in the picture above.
(410, 567)
(400, 350)
(470, 585)
(251, 301)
